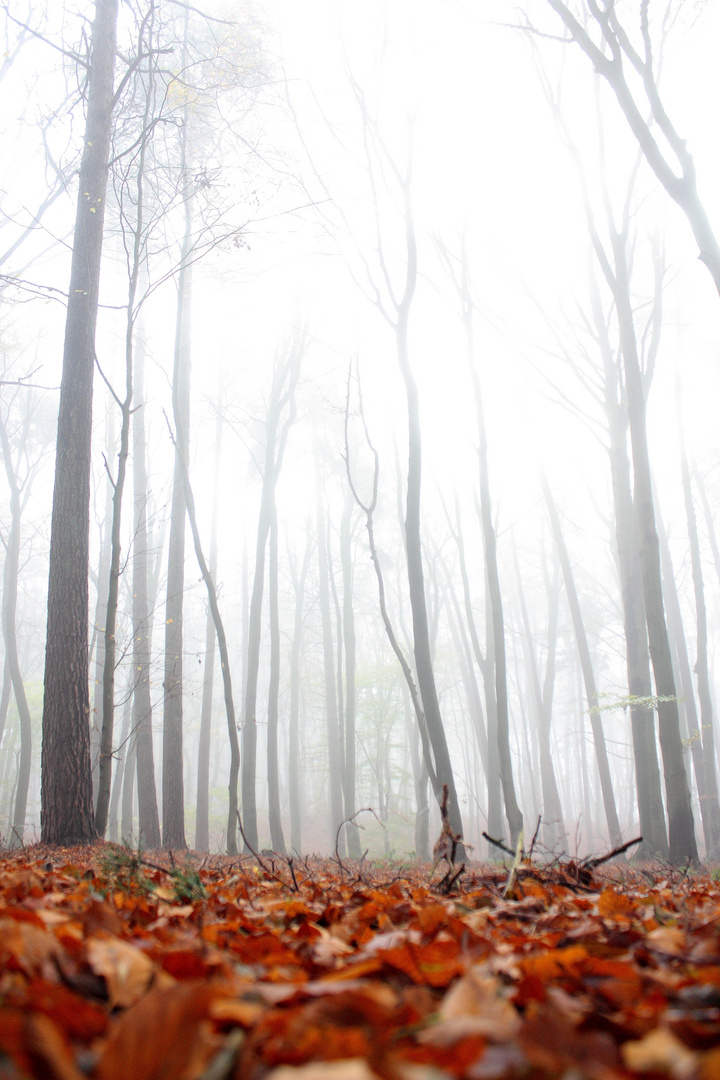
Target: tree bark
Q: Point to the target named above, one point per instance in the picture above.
(143, 604)
(277, 839)
(608, 793)
(67, 810)
(202, 805)
(11, 571)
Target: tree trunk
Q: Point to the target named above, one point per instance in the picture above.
(98, 629)
(67, 810)
(11, 571)
(352, 834)
(202, 808)
(606, 787)
(711, 810)
(277, 839)
(298, 580)
(332, 719)
(143, 604)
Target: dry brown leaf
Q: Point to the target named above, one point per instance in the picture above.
(126, 969)
(347, 1069)
(166, 1036)
(480, 997)
(660, 1051)
(667, 939)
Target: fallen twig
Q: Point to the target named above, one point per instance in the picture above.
(499, 844)
(590, 864)
(266, 869)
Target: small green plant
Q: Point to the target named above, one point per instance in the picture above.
(124, 869)
(187, 884)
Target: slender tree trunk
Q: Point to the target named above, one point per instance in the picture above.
(681, 829)
(98, 632)
(282, 399)
(331, 714)
(353, 837)
(11, 570)
(608, 794)
(143, 603)
(121, 755)
(711, 809)
(642, 717)
(689, 720)
(298, 580)
(67, 810)
(277, 839)
(202, 808)
(173, 824)
(554, 831)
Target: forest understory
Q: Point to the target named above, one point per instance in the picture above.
(117, 963)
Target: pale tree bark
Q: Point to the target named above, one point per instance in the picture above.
(642, 714)
(136, 234)
(97, 642)
(298, 576)
(706, 733)
(202, 802)
(332, 720)
(173, 783)
(144, 589)
(494, 592)
(395, 308)
(67, 811)
(670, 160)
(278, 421)
(554, 834)
(681, 830)
(608, 794)
(689, 720)
(348, 620)
(277, 839)
(11, 570)
(222, 649)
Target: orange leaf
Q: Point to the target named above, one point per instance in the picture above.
(166, 1036)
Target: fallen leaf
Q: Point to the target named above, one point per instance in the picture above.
(660, 1051)
(127, 971)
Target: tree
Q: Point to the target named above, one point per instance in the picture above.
(279, 419)
(674, 167)
(67, 810)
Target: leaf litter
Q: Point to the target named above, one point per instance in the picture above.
(114, 965)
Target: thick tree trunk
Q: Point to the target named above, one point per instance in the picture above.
(67, 810)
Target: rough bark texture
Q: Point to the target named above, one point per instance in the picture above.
(67, 810)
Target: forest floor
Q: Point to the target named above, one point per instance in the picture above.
(114, 965)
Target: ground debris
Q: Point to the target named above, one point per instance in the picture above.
(115, 963)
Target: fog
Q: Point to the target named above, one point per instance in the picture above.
(360, 211)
